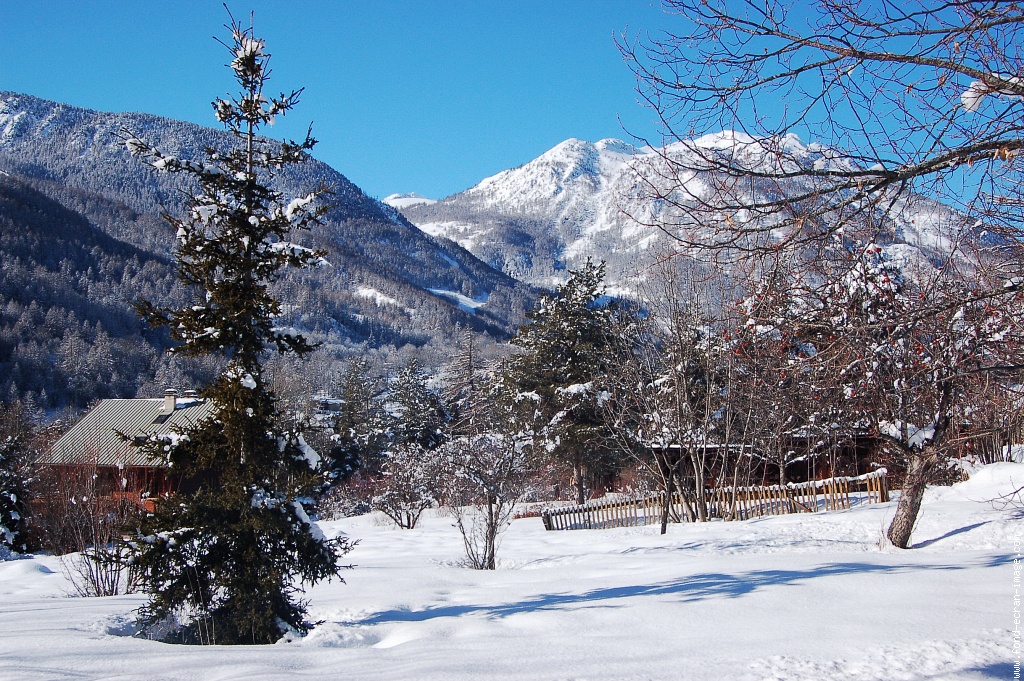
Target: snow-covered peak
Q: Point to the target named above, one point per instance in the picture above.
(568, 172)
(553, 211)
(765, 154)
(726, 139)
(598, 200)
(575, 150)
(588, 157)
(734, 140)
(401, 201)
(615, 146)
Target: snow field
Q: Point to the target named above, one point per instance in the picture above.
(786, 598)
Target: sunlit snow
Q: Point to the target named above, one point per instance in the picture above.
(463, 301)
(405, 200)
(375, 295)
(783, 598)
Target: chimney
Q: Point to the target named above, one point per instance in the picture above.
(191, 395)
(170, 400)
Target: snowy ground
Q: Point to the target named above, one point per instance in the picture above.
(791, 597)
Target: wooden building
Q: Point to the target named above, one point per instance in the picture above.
(122, 470)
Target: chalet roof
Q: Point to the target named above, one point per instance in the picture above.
(95, 436)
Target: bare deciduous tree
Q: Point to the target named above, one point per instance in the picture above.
(82, 515)
(486, 477)
(672, 400)
(408, 484)
(863, 359)
(897, 99)
(905, 106)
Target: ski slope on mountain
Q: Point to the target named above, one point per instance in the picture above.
(782, 598)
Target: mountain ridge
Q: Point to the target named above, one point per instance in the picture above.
(583, 199)
(75, 157)
(534, 221)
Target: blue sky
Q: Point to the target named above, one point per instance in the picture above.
(426, 96)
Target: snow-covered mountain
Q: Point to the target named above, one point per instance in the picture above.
(82, 237)
(535, 221)
(583, 199)
(62, 148)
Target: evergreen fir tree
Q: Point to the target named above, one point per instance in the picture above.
(419, 415)
(569, 351)
(360, 426)
(221, 557)
(16, 431)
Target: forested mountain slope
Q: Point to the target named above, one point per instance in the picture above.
(67, 331)
(389, 285)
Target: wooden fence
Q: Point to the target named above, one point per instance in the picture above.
(729, 503)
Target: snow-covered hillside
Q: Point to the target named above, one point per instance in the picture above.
(405, 200)
(77, 157)
(536, 220)
(782, 598)
(583, 199)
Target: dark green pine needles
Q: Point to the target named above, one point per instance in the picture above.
(223, 558)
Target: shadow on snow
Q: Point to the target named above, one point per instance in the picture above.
(951, 533)
(692, 588)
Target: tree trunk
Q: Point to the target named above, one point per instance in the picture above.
(668, 503)
(684, 496)
(581, 485)
(698, 487)
(491, 533)
(919, 471)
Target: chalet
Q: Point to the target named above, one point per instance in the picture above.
(97, 441)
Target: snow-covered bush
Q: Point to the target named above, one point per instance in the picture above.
(408, 485)
(347, 499)
(485, 476)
